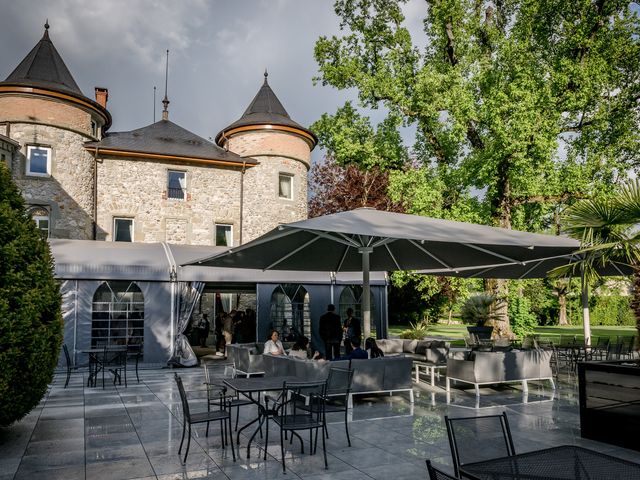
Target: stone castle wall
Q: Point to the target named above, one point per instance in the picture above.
(278, 152)
(68, 192)
(137, 188)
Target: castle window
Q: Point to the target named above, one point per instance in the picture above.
(40, 215)
(94, 128)
(285, 186)
(38, 161)
(123, 229)
(177, 185)
(224, 235)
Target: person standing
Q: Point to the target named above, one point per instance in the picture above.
(204, 329)
(331, 332)
(351, 330)
(227, 327)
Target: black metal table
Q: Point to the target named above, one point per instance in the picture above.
(566, 462)
(252, 388)
(100, 358)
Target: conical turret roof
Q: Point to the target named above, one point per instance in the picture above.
(44, 67)
(265, 109)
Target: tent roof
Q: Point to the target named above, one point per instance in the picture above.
(98, 260)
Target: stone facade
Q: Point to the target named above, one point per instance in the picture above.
(278, 152)
(137, 188)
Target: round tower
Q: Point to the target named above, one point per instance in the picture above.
(43, 109)
(275, 191)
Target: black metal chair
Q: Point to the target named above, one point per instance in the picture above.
(475, 439)
(214, 374)
(437, 474)
(337, 398)
(292, 419)
(70, 366)
(134, 353)
(222, 415)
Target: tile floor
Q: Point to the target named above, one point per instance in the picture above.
(134, 433)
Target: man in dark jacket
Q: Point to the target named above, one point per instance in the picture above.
(331, 332)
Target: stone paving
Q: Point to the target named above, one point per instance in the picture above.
(134, 433)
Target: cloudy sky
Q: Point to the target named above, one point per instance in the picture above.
(218, 52)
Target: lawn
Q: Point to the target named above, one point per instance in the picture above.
(459, 331)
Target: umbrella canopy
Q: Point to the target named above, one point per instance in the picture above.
(367, 239)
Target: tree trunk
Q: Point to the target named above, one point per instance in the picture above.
(562, 302)
(499, 287)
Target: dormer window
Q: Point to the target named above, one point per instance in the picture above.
(38, 161)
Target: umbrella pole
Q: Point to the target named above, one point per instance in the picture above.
(366, 291)
(586, 321)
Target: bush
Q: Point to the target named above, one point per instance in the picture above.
(416, 331)
(30, 318)
(477, 309)
(523, 321)
(612, 310)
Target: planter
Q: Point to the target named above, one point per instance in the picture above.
(610, 402)
(483, 333)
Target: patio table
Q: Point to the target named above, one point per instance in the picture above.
(566, 462)
(251, 386)
(99, 358)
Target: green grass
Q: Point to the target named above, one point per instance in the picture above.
(459, 331)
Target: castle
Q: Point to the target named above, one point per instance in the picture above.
(158, 183)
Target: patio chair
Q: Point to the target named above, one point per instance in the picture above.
(214, 374)
(70, 366)
(292, 419)
(476, 439)
(337, 398)
(437, 474)
(134, 351)
(222, 415)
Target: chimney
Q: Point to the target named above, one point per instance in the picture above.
(102, 95)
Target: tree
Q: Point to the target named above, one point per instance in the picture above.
(30, 318)
(608, 231)
(530, 104)
(337, 189)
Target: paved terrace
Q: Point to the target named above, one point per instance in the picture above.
(134, 433)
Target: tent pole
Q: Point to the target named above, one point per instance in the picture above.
(586, 321)
(366, 291)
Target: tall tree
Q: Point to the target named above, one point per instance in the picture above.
(528, 103)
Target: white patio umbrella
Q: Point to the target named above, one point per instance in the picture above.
(370, 240)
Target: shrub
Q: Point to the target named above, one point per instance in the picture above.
(416, 331)
(30, 318)
(477, 309)
(612, 310)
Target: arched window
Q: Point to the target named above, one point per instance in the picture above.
(290, 309)
(351, 297)
(118, 314)
(42, 218)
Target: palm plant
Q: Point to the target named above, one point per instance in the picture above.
(609, 232)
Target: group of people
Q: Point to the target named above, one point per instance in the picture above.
(333, 333)
(236, 326)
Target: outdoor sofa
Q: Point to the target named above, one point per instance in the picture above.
(428, 356)
(247, 357)
(484, 368)
(376, 375)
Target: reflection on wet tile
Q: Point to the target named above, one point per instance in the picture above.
(135, 432)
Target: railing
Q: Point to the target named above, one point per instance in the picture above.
(176, 193)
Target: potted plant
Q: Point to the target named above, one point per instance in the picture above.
(477, 310)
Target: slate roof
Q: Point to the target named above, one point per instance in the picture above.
(264, 109)
(44, 67)
(167, 138)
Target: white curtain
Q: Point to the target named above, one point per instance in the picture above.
(285, 186)
(182, 179)
(227, 237)
(226, 299)
(188, 297)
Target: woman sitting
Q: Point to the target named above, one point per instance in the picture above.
(301, 348)
(372, 348)
(273, 345)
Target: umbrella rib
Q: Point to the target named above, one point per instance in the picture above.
(301, 247)
(392, 257)
(344, 255)
(413, 242)
(530, 270)
(342, 238)
(383, 241)
(484, 250)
